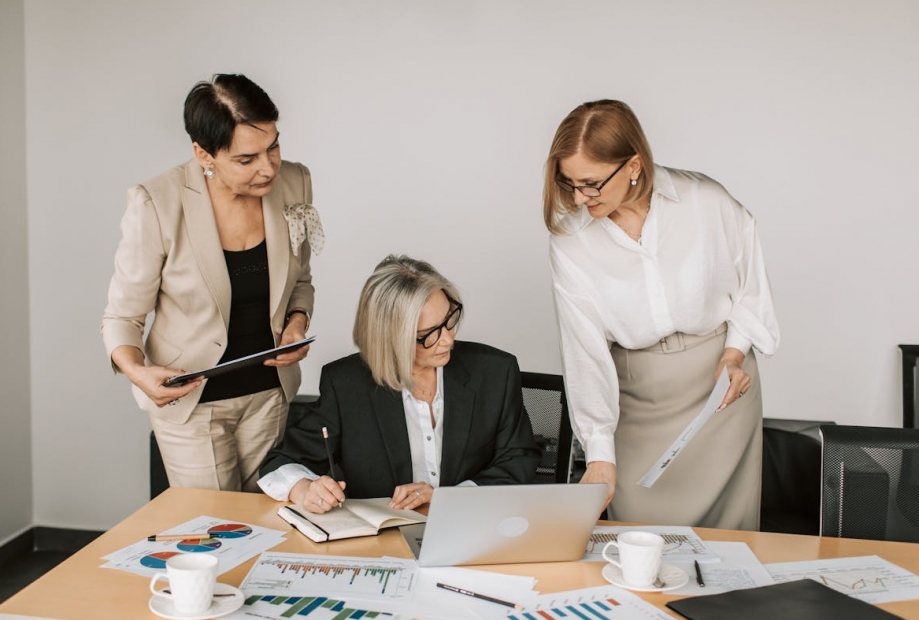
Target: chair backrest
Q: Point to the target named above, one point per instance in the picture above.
(545, 402)
(870, 483)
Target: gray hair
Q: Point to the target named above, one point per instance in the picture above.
(390, 306)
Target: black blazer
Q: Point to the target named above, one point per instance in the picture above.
(487, 437)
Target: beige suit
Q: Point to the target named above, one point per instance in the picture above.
(170, 261)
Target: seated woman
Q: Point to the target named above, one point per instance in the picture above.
(414, 410)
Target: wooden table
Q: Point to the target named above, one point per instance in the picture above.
(79, 590)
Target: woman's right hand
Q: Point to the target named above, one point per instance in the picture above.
(318, 496)
(602, 472)
(150, 379)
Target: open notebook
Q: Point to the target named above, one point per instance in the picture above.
(358, 517)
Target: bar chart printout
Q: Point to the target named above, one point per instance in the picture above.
(332, 576)
(605, 602)
(308, 607)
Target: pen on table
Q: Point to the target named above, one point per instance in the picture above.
(328, 452)
(490, 599)
(167, 537)
(699, 579)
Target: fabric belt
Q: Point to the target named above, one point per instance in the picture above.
(678, 341)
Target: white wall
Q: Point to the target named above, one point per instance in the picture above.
(15, 418)
(426, 126)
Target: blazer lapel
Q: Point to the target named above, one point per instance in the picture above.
(390, 415)
(459, 404)
(277, 239)
(204, 239)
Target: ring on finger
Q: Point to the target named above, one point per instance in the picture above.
(319, 502)
(418, 493)
(740, 395)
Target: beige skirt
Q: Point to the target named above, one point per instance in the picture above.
(716, 480)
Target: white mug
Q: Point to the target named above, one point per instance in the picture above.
(191, 579)
(639, 557)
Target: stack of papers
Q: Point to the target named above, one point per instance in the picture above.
(233, 543)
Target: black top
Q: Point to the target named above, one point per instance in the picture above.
(487, 434)
(250, 329)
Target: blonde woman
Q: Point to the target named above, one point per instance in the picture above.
(414, 410)
(659, 285)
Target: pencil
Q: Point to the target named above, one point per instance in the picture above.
(167, 537)
(328, 452)
(490, 599)
(699, 579)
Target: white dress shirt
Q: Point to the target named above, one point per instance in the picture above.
(425, 438)
(699, 264)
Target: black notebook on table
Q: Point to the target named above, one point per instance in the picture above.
(794, 600)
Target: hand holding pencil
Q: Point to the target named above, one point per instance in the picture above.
(322, 494)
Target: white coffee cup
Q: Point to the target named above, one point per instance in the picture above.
(191, 579)
(639, 557)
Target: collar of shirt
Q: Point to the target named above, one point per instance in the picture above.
(425, 437)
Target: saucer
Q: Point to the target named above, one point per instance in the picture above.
(220, 606)
(672, 576)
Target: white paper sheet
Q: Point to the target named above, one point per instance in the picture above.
(680, 543)
(368, 579)
(670, 454)
(738, 569)
(233, 543)
(869, 578)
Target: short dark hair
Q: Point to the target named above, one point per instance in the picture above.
(214, 109)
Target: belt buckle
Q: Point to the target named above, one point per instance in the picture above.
(673, 343)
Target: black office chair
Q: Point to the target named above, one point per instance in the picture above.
(545, 402)
(870, 483)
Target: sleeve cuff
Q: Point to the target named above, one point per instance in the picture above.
(601, 448)
(737, 341)
(278, 484)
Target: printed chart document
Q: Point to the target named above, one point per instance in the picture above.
(667, 458)
(607, 602)
(681, 543)
(738, 568)
(358, 517)
(233, 543)
(869, 578)
(298, 574)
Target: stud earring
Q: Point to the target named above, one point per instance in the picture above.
(209, 173)
(634, 182)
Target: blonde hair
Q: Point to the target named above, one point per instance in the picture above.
(606, 131)
(386, 325)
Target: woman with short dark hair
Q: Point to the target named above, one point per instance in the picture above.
(216, 248)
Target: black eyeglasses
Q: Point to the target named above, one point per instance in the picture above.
(430, 338)
(591, 191)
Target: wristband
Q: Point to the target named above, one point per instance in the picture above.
(296, 311)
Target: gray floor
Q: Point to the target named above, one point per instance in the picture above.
(25, 569)
(33, 554)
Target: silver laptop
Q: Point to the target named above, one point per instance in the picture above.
(509, 524)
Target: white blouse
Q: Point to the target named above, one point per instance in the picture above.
(699, 264)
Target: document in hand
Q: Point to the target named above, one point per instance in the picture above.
(804, 599)
(358, 517)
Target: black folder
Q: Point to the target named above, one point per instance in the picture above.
(794, 600)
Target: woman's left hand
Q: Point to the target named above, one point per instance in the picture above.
(732, 360)
(411, 496)
(295, 330)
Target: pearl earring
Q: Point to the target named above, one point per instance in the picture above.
(210, 173)
(634, 182)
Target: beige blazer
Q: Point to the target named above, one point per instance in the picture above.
(170, 261)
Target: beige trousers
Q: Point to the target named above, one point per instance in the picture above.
(224, 442)
(717, 479)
